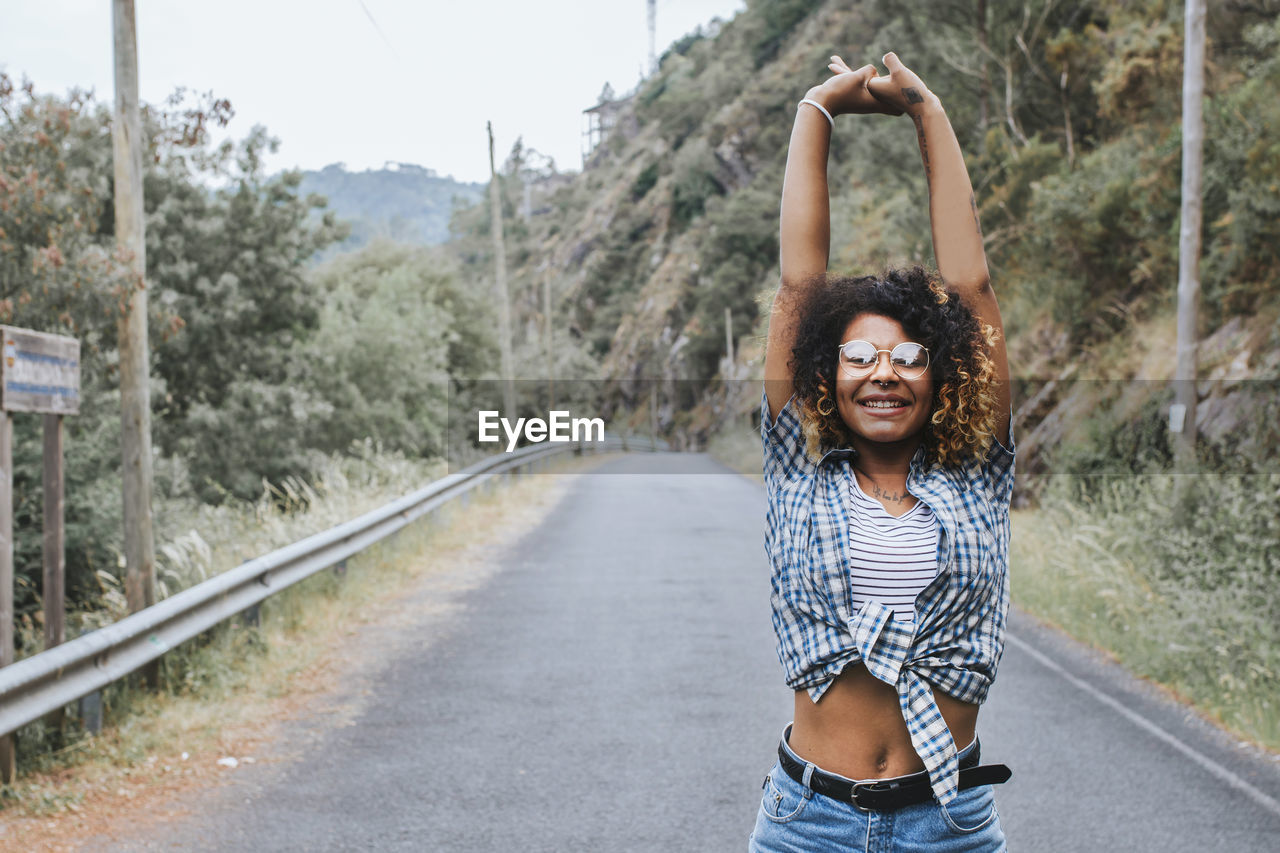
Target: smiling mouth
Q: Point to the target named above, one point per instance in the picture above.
(881, 404)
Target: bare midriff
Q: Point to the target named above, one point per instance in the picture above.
(857, 730)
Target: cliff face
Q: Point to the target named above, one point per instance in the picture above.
(1070, 124)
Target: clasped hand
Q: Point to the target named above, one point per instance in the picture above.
(862, 91)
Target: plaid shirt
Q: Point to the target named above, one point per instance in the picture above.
(958, 636)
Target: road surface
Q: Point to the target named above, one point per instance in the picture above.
(613, 687)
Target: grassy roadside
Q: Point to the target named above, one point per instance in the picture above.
(738, 447)
(227, 696)
(1186, 599)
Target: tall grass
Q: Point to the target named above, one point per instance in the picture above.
(197, 541)
(1180, 583)
(737, 445)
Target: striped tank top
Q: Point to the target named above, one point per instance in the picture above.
(891, 559)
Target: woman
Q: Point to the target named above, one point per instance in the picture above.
(889, 468)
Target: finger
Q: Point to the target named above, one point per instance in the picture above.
(887, 105)
(882, 88)
(892, 62)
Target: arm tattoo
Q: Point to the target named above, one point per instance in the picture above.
(912, 96)
(924, 152)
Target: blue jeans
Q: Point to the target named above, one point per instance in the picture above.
(793, 818)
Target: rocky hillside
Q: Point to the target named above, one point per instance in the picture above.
(1069, 117)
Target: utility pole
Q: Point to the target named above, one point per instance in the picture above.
(551, 353)
(1182, 416)
(500, 271)
(653, 35)
(135, 395)
(984, 81)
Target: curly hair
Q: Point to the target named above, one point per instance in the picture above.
(963, 416)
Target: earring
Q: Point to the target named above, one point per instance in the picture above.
(830, 405)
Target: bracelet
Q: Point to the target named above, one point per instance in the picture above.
(821, 109)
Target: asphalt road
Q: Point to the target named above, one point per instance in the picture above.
(613, 687)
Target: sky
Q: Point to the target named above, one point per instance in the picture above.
(365, 82)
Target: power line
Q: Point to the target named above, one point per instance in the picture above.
(381, 34)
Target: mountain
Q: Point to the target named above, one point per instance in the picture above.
(400, 202)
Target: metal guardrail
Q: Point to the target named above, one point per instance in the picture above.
(44, 682)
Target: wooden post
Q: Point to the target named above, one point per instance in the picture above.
(39, 373)
(135, 396)
(8, 755)
(54, 588)
(500, 270)
(653, 413)
(1182, 418)
(728, 336)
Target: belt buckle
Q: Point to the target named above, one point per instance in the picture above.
(859, 787)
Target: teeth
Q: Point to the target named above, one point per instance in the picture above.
(883, 404)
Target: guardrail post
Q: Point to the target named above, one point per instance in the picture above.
(340, 569)
(91, 713)
(91, 707)
(251, 616)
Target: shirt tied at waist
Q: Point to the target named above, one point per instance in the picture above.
(884, 645)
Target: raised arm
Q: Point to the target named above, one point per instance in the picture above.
(805, 231)
(953, 212)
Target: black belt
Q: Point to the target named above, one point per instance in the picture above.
(890, 794)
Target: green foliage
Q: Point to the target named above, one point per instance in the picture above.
(1099, 236)
(690, 85)
(1144, 64)
(610, 282)
(396, 325)
(1242, 182)
(231, 264)
(694, 181)
(227, 298)
(58, 273)
(1115, 442)
(772, 22)
(742, 247)
(645, 181)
